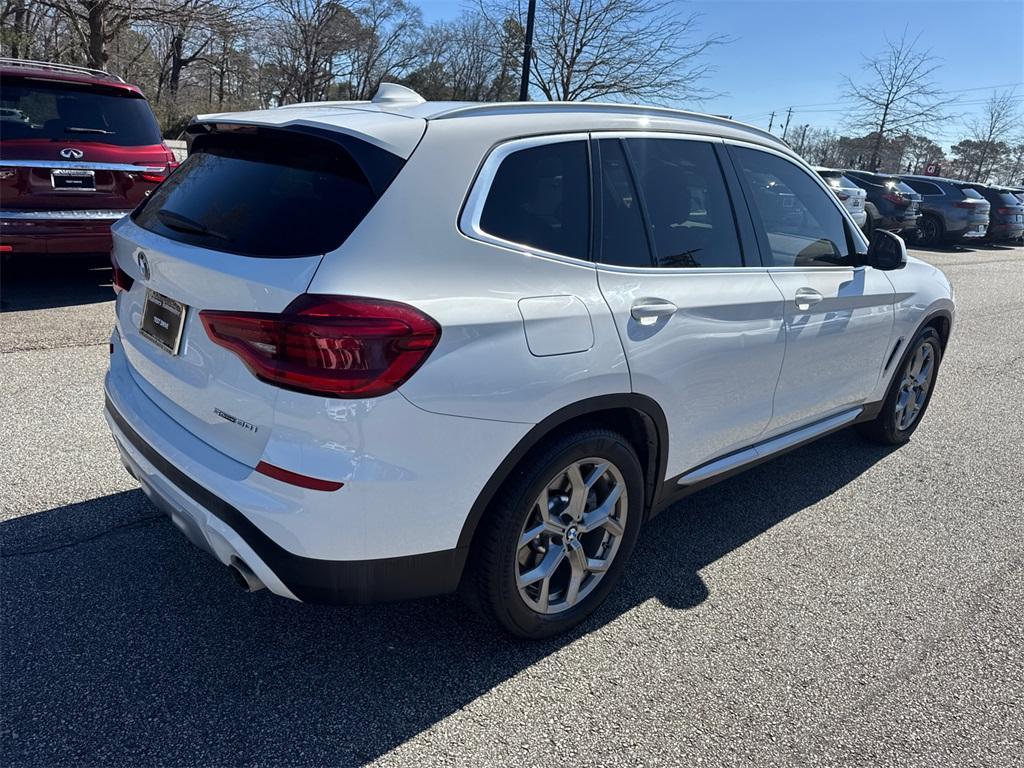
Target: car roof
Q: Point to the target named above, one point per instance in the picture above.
(61, 73)
(379, 120)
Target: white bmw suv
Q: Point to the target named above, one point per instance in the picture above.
(370, 351)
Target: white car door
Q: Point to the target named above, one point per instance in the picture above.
(838, 316)
(700, 325)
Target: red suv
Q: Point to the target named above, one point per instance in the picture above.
(79, 148)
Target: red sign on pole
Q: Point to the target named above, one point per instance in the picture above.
(933, 169)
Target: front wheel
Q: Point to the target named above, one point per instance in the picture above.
(555, 541)
(910, 392)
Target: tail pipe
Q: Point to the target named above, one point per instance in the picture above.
(244, 577)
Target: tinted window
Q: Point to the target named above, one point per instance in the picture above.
(541, 197)
(971, 193)
(623, 237)
(688, 209)
(804, 227)
(261, 195)
(924, 187)
(38, 110)
(838, 181)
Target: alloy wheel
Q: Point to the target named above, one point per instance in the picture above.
(571, 535)
(917, 381)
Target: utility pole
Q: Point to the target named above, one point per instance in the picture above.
(803, 137)
(524, 84)
(789, 115)
(771, 122)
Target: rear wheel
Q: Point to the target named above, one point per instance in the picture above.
(930, 232)
(555, 541)
(909, 393)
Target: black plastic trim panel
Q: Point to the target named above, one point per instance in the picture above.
(310, 579)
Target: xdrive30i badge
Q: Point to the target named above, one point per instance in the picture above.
(234, 420)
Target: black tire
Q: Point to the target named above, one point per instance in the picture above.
(490, 584)
(886, 428)
(931, 232)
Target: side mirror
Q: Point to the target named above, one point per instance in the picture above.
(886, 251)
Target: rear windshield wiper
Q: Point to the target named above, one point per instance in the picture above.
(102, 131)
(182, 223)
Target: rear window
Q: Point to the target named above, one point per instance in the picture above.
(268, 194)
(35, 109)
(838, 181)
(1008, 198)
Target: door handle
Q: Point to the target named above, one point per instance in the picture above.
(806, 298)
(648, 311)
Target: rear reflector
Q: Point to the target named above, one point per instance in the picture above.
(6, 249)
(294, 478)
(340, 346)
(120, 280)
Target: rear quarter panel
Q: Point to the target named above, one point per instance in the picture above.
(410, 249)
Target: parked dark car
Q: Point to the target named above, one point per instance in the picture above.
(951, 211)
(1006, 217)
(891, 204)
(79, 148)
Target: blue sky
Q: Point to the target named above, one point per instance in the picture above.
(794, 53)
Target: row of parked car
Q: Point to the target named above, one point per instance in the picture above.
(929, 210)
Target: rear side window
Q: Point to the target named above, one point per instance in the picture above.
(540, 197)
(971, 193)
(268, 194)
(689, 214)
(34, 109)
(924, 187)
(803, 225)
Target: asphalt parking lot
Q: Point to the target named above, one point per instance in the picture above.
(845, 604)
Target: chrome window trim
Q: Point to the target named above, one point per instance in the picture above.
(472, 210)
(64, 215)
(79, 165)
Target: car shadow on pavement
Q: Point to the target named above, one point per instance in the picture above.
(125, 645)
(44, 282)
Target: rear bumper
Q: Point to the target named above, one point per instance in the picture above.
(223, 531)
(57, 231)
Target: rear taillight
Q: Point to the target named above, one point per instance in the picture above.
(154, 176)
(965, 204)
(841, 195)
(120, 280)
(1005, 211)
(340, 346)
(896, 198)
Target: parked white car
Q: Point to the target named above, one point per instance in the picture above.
(850, 195)
(368, 351)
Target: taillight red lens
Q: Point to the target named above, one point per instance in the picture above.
(1004, 211)
(896, 199)
(120, 280)
(964, 204)
(339, 346)
(842, 195)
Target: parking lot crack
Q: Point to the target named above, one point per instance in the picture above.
(45, 548)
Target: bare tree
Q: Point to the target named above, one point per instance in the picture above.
(628, 49)
(897, 95)
(992, 129)
(385, 45)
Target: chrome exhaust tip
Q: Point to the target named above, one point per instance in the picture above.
(244, 577)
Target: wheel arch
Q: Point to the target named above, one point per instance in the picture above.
(639, 418)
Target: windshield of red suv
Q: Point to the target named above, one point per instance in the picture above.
(37, 109)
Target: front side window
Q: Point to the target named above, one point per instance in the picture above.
(802, 224)
(689, 214)
(540, 197)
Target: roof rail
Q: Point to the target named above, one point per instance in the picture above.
(29, 63)
(598, 106)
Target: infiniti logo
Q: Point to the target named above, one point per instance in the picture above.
(70, 153)
(143, 263)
